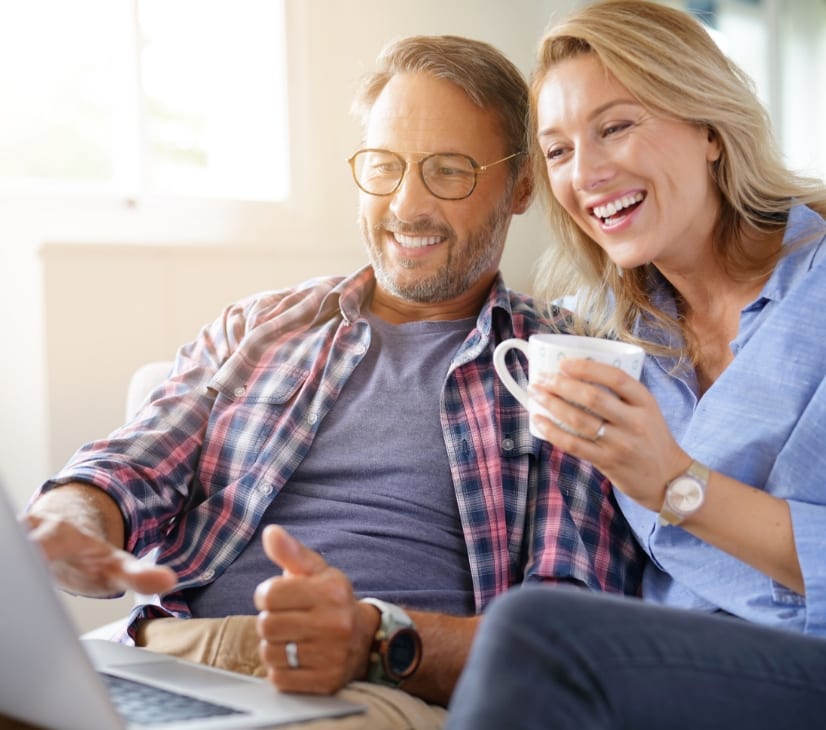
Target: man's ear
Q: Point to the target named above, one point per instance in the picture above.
(522, 193)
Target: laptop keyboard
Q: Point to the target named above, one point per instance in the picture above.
(142, 704)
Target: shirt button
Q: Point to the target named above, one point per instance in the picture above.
(360, 349)
(507, 444)
(312, 417)
(239, 391)
(208, 574)
(264, 489)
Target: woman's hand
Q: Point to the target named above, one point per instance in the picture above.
(605, 416)
(637, 452)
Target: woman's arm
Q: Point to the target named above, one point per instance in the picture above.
(639, 455)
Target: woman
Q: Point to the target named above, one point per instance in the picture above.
(678, 227)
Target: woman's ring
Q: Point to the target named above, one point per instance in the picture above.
(600, 432)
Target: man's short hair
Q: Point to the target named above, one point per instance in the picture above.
(489, 79)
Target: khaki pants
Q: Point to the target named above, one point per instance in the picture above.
(232, 643)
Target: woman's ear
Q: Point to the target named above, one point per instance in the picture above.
(715, 148)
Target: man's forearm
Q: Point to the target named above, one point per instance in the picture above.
(446, 644)
(88, 508)
(81, 532)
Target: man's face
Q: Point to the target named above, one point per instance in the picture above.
(424, 249)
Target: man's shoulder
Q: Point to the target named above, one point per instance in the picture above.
(305, 289)
(530, 315)
(306, 298)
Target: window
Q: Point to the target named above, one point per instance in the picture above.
(782, 46)
(145, 96)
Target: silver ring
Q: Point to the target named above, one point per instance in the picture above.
(291, 650)
(600, 432)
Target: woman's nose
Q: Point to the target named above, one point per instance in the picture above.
(591, 167)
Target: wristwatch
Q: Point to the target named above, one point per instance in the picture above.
(397, 647)
(684, 494)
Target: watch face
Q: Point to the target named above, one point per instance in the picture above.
(685, 494)
(403, 653)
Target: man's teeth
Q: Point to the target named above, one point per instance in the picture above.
(615, 206)
(416, 241)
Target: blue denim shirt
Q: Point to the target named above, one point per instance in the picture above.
(762, 422)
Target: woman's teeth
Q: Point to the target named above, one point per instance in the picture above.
(615, 206)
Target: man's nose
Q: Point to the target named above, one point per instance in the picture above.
(412, 199)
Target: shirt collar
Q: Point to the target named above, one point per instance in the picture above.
(804, 227)
(349, 296)
(498, 298)
(353, 293)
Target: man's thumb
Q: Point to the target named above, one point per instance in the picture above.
(288, 553)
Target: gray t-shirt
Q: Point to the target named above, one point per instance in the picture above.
(374, 494)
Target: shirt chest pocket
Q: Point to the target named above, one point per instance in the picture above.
(274, 385)
(249, 411)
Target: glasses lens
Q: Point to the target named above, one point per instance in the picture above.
(449, 176)
(378, 172)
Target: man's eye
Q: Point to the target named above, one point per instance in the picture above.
(446, 171)
(386, 169)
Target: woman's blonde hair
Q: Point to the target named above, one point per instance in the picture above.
(671, 65)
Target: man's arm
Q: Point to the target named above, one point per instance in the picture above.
(312, 605)
(80, 530)
(446, 643)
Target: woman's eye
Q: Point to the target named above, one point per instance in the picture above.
(610, 129)
(554, 153)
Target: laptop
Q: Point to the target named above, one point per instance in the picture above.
(51, 678)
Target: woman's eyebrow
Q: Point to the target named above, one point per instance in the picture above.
(595, 112)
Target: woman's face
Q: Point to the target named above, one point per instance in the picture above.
(637, 184)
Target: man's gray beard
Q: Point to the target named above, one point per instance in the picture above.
(482, 249)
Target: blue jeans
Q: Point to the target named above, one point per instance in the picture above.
(556, 658)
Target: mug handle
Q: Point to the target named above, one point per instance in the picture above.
(502, 369)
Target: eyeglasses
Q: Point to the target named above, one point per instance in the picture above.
(446, 175)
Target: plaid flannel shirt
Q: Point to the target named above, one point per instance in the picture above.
(195, 469)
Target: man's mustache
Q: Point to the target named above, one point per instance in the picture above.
(424, 226)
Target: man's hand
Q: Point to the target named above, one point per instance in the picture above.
(313, 606)
(71, 525)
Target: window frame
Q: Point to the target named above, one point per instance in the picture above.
(79, 211)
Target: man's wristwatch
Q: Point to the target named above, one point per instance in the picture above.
(684, 494)
(397, 647)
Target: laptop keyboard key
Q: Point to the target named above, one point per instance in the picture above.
(143, 704)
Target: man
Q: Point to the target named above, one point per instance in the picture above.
(354, 429)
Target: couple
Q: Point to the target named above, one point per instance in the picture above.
(338, 461)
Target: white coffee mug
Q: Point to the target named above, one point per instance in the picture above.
(544, 353)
